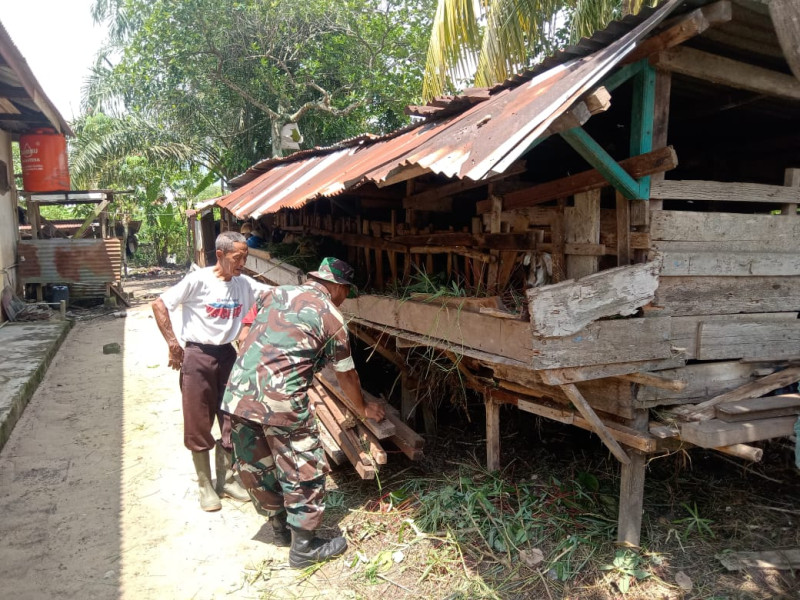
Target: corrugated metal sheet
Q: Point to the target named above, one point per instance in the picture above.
(477, 143)
(85, 264)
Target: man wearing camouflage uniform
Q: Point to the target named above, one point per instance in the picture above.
(276, 442)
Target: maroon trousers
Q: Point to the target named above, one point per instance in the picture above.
(204, 375)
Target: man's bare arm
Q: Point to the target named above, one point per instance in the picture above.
(351, 384)
(165, 326)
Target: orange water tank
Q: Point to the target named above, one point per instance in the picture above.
(44, 161)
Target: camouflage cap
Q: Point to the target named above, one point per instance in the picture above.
(335, 270)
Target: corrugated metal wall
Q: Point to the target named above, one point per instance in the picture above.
(86, 266)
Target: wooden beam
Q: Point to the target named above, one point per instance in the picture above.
(657, 381)
(597, 425)
(88, 221)
(663, 159)
(785, 15)
(728, 72)
(686, 27)
(420, 200)
(602, 161)
(621, 433)
(642, 116)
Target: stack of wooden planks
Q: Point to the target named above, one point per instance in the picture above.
(744, 414)
(346, 437)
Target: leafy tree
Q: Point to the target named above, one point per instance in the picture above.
(484, 42)
(224, 76)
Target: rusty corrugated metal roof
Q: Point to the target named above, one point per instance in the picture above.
(477, 143)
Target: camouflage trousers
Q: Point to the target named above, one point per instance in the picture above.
(282, 468)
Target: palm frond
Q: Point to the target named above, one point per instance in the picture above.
(455, 39)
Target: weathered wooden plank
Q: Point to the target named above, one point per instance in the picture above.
(591, 373)
(702, 381)
(274, 271)
(567, 307)
(721, 227)
(754, 389)
(726, 295)
(403, 431)
(332, 449)
(503, 337)
(382, 429)
(685, 330)
(726, 264)
(721, 191)
(657, 381)
(605, 342)
(725, 71)
(713, 432)
(784, 560)
(720, 340)
(759, 408)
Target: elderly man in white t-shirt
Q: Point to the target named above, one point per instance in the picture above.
(214, 301)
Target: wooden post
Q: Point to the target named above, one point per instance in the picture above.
(392, 254)
(624, 230)
(582, 226)
(492, 433)
(34, 218)
(640, 209)
(791, 177)
(408, 397)
(494, 227)
(631, 489)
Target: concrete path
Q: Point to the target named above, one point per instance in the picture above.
(26, 350)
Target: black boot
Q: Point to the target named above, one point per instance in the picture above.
(281, 536)
(308, 549)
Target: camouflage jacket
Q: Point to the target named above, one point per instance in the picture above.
(297, 330)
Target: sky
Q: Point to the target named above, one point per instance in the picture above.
(59, 41)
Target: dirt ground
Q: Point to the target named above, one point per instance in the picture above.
(98, 494)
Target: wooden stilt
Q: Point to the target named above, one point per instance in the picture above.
(492, 433)
(631, 490)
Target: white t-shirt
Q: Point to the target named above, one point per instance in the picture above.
(213, 309)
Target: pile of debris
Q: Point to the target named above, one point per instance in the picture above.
(346, 437)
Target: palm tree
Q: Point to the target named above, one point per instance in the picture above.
(483, 42)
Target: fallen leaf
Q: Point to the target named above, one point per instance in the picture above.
(683, 581)
(531, 557)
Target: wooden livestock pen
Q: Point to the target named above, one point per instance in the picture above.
(650, 296)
